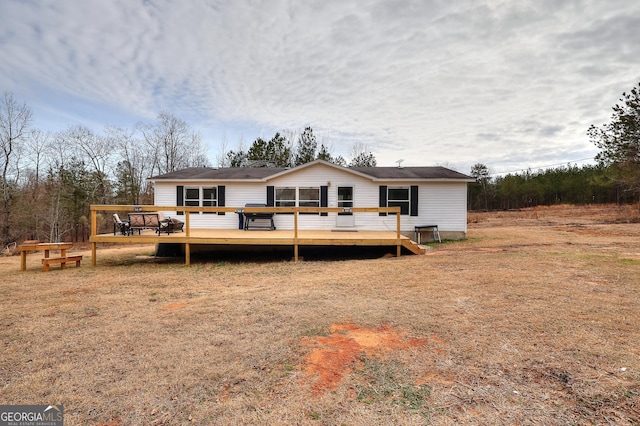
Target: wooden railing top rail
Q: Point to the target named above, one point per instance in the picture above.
(153, 208)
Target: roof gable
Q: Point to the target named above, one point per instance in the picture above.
(321, 163)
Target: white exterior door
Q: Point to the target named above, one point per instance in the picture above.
(345, 201)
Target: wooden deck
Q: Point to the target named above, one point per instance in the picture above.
(264, 238)
(294, 238)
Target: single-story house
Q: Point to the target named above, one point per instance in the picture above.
(425, 195)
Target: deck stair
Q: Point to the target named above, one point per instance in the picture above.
(413, 247)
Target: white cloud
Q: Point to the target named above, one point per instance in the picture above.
(511, 84)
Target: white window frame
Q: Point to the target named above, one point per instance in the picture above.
(209, 202)
(296, 201)
(400, 203)
(191, 201)
(308, 202)
(285, 202)
(200, 201)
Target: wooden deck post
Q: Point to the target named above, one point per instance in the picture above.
(399, 242)
(187, 254)
(94, 232)
(94, 222)
(295, 236)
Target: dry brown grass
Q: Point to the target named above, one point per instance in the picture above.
(532, 320)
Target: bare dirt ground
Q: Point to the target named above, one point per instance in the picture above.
(532, 320)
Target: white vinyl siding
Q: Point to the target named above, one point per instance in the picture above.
(440, 203)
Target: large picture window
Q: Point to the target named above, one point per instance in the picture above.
(398, 196)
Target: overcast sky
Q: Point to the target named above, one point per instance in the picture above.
(510, 84)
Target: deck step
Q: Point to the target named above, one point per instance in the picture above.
(413, 247)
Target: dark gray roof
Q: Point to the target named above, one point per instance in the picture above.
(411, 172)
(228, 173)
(259, 173)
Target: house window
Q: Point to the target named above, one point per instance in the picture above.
(285, 197)
(209, 197)
(398, 196)
(197, 196)
(192, 196)
(309, 197)
(297, 197)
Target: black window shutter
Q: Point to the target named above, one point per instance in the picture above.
(179, 197)
(271, 196)
(221, 198)
(324, 199)
(383, 198)
(414, 200)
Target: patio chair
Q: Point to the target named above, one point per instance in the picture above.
(119, 225)
(169, 225)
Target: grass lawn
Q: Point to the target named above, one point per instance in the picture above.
(534, 319)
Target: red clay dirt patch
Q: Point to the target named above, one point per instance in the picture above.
(333, 357)
(174, 306)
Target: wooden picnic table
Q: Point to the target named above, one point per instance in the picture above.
(29, 246)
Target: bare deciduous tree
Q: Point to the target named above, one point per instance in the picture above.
(134, 165)
(96, 150)
(14, 123)
(173, 144)
(38, 147)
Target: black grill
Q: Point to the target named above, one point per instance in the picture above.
(258, 220)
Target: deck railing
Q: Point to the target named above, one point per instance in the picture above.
(277, 210)
(188, 210)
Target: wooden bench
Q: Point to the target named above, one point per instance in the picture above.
(35, 246)
(60, 260)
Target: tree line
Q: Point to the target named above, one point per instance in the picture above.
(49, 180)
(615, 179)
(568, 184)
